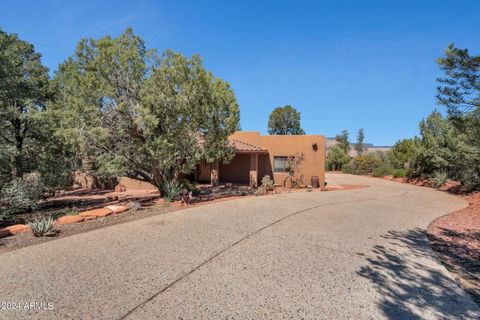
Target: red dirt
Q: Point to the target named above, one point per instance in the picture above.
(455, 238)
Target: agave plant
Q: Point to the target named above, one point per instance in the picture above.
(172, 190)
(43, 226)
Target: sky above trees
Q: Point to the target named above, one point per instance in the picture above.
(343, 65)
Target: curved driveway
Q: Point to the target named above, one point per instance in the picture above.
(356, 254)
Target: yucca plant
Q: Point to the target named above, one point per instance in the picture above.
(43, 226)
(172, 190)
(439, 178)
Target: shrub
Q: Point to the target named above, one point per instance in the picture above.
(267, 185)
(191, 186)
(134, 205)
(172, 190)
(42, 226)
(21, 195)
(337, 158)
(439, 178)
(365, 164)
(399, 173)
(347, 168)
(71, 212)
(382, 171)
(470, 180)
(402, 153)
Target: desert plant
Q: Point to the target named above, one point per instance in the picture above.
(71, 211)
(42, 226)
(366, 163)
(20, 195)
(382, 171)
(337, 158)
(186, 196)
(191, 186)
(347, 168)
(293, 163)
(470, 180)
(266, 186)
(402, 153)
(134, 206)
(172, 190)
(439, 178)
(399, 173)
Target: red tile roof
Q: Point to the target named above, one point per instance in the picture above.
(243, 146)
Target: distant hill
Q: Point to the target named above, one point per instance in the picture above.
(369, 147)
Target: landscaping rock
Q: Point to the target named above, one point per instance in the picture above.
(103, 212)
(70, 219)
(4, 233)
(18, 228)
(117, 208)
(451, 185)
(120, 188)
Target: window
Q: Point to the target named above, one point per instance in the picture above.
(280, 164)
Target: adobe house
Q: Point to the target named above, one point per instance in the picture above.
(257, 156)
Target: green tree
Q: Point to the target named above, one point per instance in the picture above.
(359, 147)
(23, 96)
(342, 141)
(402, 153)
(337, 158)
(101, 80)
(285, 120)
(459, 90)
(442, 147)
(132, 112)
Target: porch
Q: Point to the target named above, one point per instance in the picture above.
(247, 167)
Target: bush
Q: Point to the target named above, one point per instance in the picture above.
(470, 180)
(365, 164)
(134, 205)
(382, 171)
(402, 153)
(191, 187)
(42, 226)
(337, 158)
(347, 168)
(267, 185)
(399, 173)
(21, 195)
(439, 178)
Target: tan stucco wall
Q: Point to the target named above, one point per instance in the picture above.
(285, 145)
(242, 166)
(237, 170)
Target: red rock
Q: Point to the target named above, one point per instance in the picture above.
(103, 212)
(90, 218)
(18, 228)
(70, 219)
(120, 188)
(388, 177)
(4, 233)
(117, 208)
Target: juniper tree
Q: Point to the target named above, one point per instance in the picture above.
(285, 120)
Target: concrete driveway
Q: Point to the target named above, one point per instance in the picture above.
(356, 254)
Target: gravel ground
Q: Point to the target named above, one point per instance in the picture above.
(455, 237)
(22, 240)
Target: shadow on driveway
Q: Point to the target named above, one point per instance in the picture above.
(411, 287)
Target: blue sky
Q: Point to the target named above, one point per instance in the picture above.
(342, 64)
